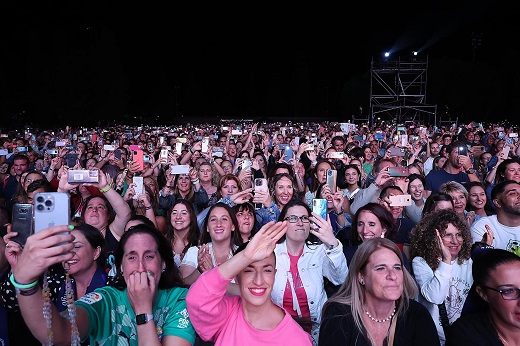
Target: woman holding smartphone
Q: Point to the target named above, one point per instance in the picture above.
(302, 265)
(148, 305)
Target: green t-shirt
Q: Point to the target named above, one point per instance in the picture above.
(111, 316)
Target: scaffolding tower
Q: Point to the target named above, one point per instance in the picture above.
(398, 91)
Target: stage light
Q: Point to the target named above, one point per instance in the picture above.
(414, 53)
(387, 54)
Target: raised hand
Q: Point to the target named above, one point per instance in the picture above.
(264, 241)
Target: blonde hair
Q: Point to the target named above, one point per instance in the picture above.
(352, 292)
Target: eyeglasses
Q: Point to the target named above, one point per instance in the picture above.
(506, 293)
(294, 218)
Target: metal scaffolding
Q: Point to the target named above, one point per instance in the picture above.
(398, 91)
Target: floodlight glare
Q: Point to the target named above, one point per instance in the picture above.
(387, 54)
(414, 53)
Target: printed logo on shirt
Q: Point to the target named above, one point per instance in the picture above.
(91, 298)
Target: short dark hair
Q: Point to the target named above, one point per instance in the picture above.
(499, 188)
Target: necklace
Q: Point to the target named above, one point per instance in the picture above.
(380, 321)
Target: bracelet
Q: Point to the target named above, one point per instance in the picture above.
(28, 292)
(340, 213)
(195, 182)
(22, 286)
(106, 188)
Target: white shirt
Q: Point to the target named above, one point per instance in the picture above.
(506, 237)
(315, 263)
(449, 283)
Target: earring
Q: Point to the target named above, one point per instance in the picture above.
(362, 283)
(163, 270)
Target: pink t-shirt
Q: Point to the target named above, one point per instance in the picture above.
(218, 317)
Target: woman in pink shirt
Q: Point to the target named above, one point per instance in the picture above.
(251, 318)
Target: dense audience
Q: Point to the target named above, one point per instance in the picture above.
(362, 246)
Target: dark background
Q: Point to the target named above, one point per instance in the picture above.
(98, 62)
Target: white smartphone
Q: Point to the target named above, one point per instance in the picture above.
(139, 188)
(180, 169)
(400, 200)
(205, 143)
(164, 153)
(178, 148)
(51, 209)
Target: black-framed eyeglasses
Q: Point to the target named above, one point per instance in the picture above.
(512, 293)
(294, 218)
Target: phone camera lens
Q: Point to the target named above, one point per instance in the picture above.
(23, 211)
(48, 203)
(40, 207)
(39, 199)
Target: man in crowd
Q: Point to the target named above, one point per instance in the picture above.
(457, 168)
(506, 223)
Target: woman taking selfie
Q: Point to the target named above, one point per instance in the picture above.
(375, 305)
(149, 307)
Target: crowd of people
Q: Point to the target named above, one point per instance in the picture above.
(263, 233)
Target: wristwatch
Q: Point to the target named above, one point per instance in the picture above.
(470, 171)
(143, 318)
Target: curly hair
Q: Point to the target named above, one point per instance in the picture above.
(424, 241)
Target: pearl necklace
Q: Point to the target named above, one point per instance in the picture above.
(380, 321)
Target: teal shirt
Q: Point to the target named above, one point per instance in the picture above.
(112, 318)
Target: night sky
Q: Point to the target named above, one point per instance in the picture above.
(93, 62)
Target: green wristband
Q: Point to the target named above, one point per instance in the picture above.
(22, 286)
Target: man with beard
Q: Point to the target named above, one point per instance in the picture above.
(506, 223)
(457, 168)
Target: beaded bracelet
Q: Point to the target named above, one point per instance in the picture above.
(28, 292)
(106, 188)
(22, 286)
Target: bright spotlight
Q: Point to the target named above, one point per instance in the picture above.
(414, 53)
(387, 54)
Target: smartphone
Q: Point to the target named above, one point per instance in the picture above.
(72, 159)
(146, 158)
(513, 135)
(139, 188)
(138, 156)
(310, 147)
(164, 153)
(4, 152)
(331, 179)
(22, 149)
(51, 209)
(463, 150)
(379, 136)
(78, 176)
(260, 185)
(180, 169)
(288, 152)
(205, 143)
(109, 147)
(246, 163)
(336, 155)
(401, 128)
(117, 154)
(181, 139)
(319, 206)
(60, 144)
(22, 222)
(394, 151)
(505, 151)
(400, 200)
(217, 149)
(398, 171)
(178, 148)
(404, 140)
(236, 132)
(52, 151)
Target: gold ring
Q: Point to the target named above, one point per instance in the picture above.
(7, 245)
